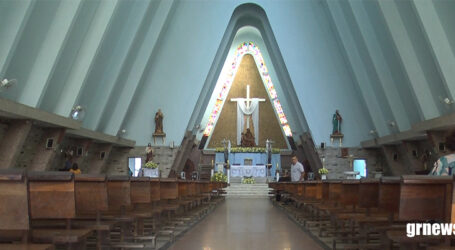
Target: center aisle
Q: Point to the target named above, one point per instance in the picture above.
(241, 223)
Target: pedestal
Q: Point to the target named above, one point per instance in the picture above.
(159, 135)
(337, 137)
(151, 172)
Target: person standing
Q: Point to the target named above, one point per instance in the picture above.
(445, 165)
(297, 170)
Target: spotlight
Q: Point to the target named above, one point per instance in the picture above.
(77, 113)
(6, 83)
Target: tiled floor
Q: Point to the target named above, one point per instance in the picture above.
(246, 224)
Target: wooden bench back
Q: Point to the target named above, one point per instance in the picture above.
(389, 194)
(91, 194)
(425, 198)
(14, 214)
(184, 187)
(169, 189)
(140, 190)
(193, 188)
(312, 190)
(334, 190)
(52, 195)
(349, 195)
(155, 192)
(369, 193)
(119, 192)
(300, 189)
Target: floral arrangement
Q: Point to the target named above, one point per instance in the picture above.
(323, 171)
(248, 180)
(219, 177)
(151, 165)
(247, 150)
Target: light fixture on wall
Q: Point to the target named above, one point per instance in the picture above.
(448, 101)
(373, 133)
(7, 83)
(121, 132)
(392, 124)
(77, 113)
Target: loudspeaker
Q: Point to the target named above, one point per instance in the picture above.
(322, 145)
(292, 143)
(79, 151)
(49, 143)
(395, 156)
(203, 141)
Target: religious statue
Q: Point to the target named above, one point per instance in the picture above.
(149, 153)
(159, 122)
(248, 139)
(336, 122)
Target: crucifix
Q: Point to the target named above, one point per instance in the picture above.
(247, 101)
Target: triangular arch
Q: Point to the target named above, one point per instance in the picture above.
(226, 81)
(250, 15)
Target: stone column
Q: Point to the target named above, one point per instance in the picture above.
(44, 156)
(96, 163)
(13, 141)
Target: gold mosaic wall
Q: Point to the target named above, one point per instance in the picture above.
(226, 127)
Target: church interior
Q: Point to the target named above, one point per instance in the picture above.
(227, 124)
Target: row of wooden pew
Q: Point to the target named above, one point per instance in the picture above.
(47, 210)
(370, 213)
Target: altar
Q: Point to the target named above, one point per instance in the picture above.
(257, 159)
(248, 170)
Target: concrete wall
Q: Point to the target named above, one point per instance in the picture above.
(337, 165)
(118, 160)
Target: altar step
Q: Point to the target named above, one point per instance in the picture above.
(247, 190)
(259, 180)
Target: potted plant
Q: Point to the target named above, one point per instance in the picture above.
(150, 169)
(219, 177)
(248, 180)
(323, 172)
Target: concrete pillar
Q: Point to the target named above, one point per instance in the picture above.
(396, 166)
(13, 141)
(97, 162)
(44, 156)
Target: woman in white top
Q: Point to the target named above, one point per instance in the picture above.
(445, 164)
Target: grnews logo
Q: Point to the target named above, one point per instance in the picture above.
(429, 229)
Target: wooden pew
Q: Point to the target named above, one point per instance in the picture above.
(14, 212)
(91, 203)
(422, 199)
(52, 197)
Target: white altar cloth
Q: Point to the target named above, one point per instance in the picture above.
(245, 170)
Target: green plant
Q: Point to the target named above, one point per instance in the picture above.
(151, 165)
(219, 177)
(248, 180)
(322, 171)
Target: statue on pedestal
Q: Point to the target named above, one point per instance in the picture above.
(336, 122)
(159, 122)
(149, 153)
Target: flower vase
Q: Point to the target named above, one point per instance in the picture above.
(324, 177)
(151, 172)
